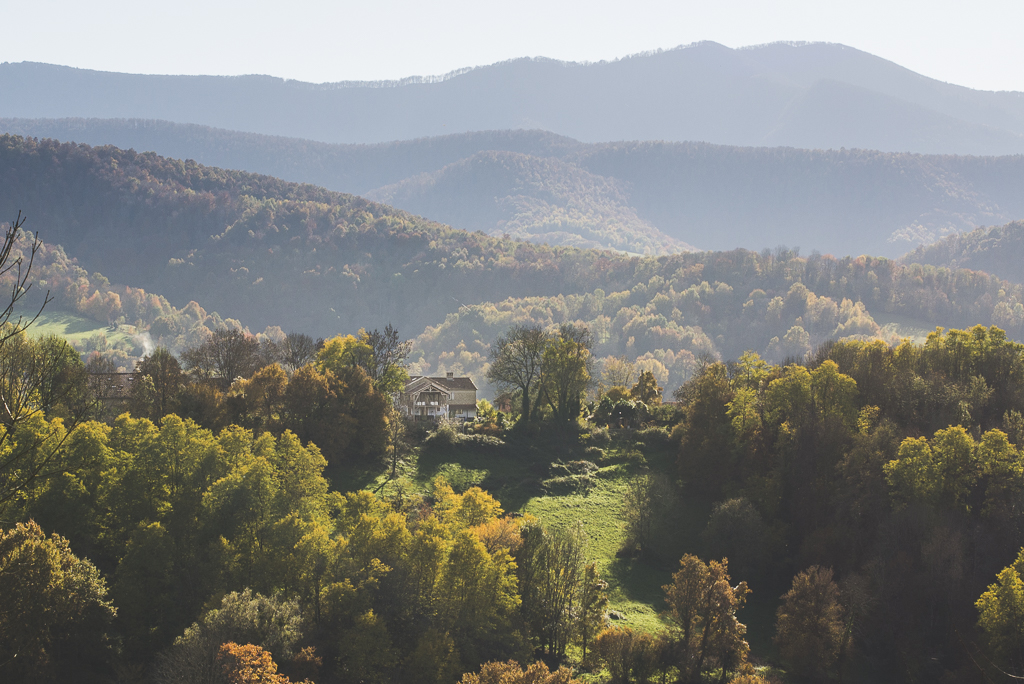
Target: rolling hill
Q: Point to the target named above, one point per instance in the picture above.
(635, 196)
(270, 253)
(998, 250)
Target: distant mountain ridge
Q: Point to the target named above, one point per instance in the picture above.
(762, 95)
(640, 197)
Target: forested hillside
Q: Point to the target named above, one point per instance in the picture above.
(270, 253)
(530, 198)
(794, 94)
(998, 250)
(844, 202)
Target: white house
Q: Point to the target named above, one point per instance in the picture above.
(449, 398)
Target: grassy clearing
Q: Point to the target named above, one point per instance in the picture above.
(513, 473)
(74, 328)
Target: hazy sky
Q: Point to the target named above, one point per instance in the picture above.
(975, 44)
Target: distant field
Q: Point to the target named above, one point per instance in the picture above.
(75, 329)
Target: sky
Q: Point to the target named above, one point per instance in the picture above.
(974, 44)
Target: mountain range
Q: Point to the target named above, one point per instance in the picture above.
(808, 95)
(640, 197)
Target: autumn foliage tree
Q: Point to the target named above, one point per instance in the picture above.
(512, 672)
(811, 627)
(702, 606)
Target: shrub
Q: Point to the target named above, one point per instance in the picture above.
(654, 436)
(444, 435)
(574, 477)
(599, 436)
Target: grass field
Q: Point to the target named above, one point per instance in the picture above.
(74, 328)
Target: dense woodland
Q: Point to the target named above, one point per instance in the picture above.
(199, 534)
(235, 243)
(819, 500)
(996, 250)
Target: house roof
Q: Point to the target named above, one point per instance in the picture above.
(450, 384)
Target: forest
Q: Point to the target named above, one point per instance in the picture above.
(995, 250)
(203, 526)
(706, 466)
(208, 249)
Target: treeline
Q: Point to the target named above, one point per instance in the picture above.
(996, 250)
(721, 304)
(268, 252)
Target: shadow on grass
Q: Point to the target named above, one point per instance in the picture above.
(351, 477)
(639, 580)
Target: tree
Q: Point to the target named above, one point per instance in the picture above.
(632, 656)
(551, 574)
(513, 673)
(387, 361)
(36, 380)
(810, 629)
(643, 502)
(53, 608)
(225, 356)
(593, 603)
(297, 350)
(1001, 617)
(646, 389)
(702, 604)
(516, 362)
(262, 398)
(618, 372)
(566, 371)
(165, 372)
(270, 623)
(248, 664)
(344, 351)
(736, 530)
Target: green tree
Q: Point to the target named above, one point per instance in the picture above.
(387, 361)
(566, 371)
(1001, 617)
(646, 389)
(167, 377)
(516, 362)
(54, 614)
(551, 574)
(593, 604)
